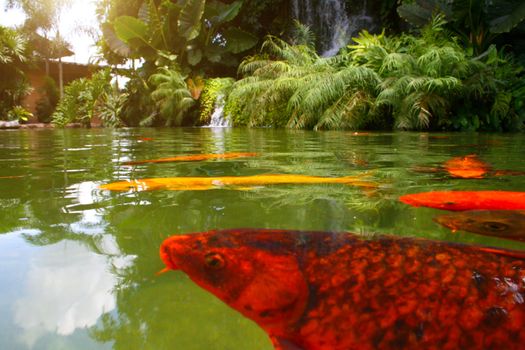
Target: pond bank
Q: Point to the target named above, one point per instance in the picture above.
(14, 124)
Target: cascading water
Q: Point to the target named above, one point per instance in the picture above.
(218, 120)
(330, 22)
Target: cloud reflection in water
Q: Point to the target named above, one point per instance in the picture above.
(67, 287)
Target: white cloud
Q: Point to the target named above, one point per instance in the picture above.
(67, 287)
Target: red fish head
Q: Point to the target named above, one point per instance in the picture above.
(253, 272)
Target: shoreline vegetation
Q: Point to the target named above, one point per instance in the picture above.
(424, 69)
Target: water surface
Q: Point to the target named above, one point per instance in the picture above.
(77, 264)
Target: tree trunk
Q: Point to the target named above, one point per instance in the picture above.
(60, 78)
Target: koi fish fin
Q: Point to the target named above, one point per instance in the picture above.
(243, 188)
(505, 252)
(284, 344)
(163, 271)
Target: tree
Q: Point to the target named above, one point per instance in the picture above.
(477, 22)
(44, 16)
(13, 57)
(197, 33)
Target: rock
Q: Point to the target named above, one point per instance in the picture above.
(36, 126)
(12, 124)
(73, 125)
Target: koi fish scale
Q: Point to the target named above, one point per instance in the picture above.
(412, 300)
(317, 290)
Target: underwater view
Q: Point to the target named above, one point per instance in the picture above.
(85, 212)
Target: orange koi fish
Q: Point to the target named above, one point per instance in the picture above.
(193, 158)
(230, 182)
(339, 291)
(508, 224)
(467, 167)
(467, 200)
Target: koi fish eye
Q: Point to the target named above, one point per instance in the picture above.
(495, 226)
(214, 260)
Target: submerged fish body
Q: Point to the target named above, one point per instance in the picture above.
(508, 224)
(193, 158)
(467, 167)
(231, 182)
(337, 291)
(467, 200)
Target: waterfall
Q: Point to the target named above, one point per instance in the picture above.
(218, 120)
(330, 22)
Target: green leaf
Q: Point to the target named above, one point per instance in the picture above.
(128, 28)
(194, 57)
(149, 14)
(420, 12)
(238, 40)
(189, 23)
(219, 13)
(506, 23)
(115, 44)
(414, 14)
(213, 55)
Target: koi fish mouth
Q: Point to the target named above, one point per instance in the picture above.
(166, 258)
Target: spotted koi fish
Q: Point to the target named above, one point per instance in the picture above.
(340, 291)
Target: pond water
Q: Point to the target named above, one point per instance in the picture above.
(78, 264)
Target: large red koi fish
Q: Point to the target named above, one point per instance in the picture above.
(339, 291)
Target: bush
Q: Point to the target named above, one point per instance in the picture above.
(424, 81)
(46, 105)
(19, 113)
(82, 98)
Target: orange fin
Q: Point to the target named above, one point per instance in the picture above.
(505, 252)
(163, 271)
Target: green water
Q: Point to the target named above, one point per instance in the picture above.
(77, 264)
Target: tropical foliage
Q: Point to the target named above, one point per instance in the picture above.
(19, 113)
(408, 82)
(13, 58)
(476, 22)
(83, 99)
(197, 34)
(171, 95)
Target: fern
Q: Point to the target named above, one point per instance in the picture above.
(171, 95)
